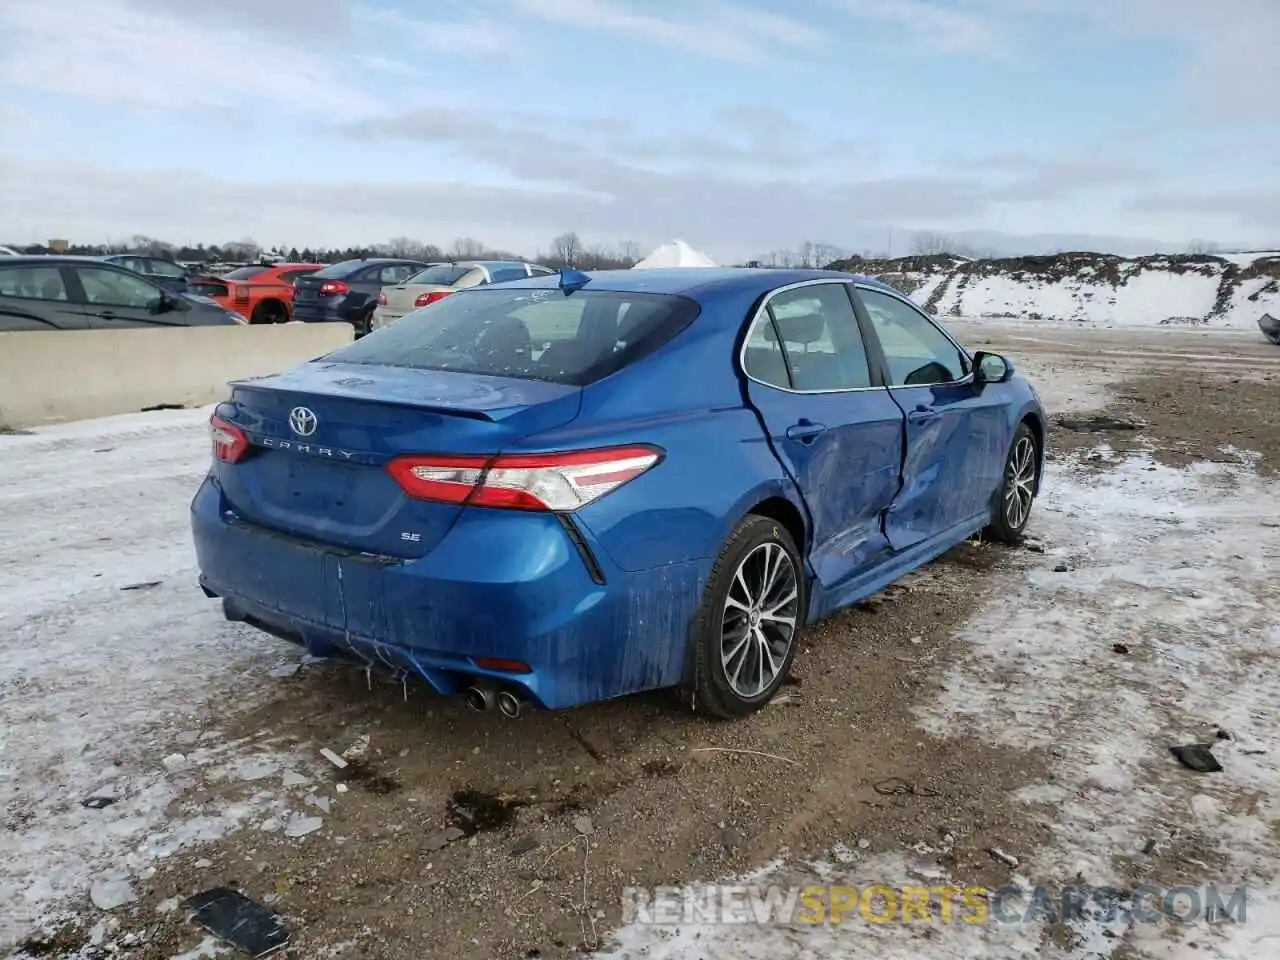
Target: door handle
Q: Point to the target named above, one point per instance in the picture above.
(806, 431)
(107, 314)
(922, 414)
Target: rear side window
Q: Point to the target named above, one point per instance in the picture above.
(809, 337)
(443, 273)
(32, 283)
(527, 334)
(288, 276)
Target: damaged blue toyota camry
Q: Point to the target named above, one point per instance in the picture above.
(572, 488)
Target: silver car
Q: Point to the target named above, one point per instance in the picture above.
(441, 279)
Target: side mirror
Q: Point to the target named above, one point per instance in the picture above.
(991, 368)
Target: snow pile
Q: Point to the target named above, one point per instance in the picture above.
(1090, 288)
(677, 253)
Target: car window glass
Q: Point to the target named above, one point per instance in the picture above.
(537, 334)
(541, 271)
(820, 335)
(445, 274)
(32, 283)
(397, 273)
(163, 268)
(762, 357)
(502, 274)
(916, 351)
(288, 276)
(115, 288)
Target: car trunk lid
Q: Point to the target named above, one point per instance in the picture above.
(402, 298)
(323, 433)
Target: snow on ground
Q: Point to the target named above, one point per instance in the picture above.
(99, 682)
(1130, 293)
(1179, 563)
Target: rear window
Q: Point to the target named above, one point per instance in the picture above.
(442, 273)
(336, 271)
(528, 334)
(244, 273)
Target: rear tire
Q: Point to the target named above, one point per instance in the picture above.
(1012, 509)
(269, 312)
(744, 637)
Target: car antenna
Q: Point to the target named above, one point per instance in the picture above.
(571, 280)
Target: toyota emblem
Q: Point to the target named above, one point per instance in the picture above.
(302, 421)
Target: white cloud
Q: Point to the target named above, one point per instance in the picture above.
(717, 30)
(963, 28)
(482, 36)
(117, 52)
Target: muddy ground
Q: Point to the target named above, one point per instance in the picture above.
(555, 813)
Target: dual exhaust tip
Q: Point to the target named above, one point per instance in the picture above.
(481, 697)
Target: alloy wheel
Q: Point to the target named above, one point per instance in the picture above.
(758, 625)
(1020, 482)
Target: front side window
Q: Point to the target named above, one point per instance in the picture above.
(115, 288)
(917, 352)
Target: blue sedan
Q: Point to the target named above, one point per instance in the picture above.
(572, 488)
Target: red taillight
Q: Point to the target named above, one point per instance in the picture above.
(559, 482)
(502, 666)
(382, 299)
(229, 443)
(331, 287)
(240, 294)
(426, 299)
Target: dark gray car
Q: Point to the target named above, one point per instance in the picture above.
(348, 291)
(86, 293)
(165, 273)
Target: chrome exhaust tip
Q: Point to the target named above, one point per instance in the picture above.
(511, 704)
(480, 698)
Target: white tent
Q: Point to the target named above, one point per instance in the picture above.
(677, 253)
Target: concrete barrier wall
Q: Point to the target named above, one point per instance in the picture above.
(49, 377)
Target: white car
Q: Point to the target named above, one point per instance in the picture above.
(9, 252)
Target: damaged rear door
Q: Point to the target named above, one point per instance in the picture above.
(830, 421)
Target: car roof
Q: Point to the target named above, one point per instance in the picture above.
(45, 259)
(699, 282)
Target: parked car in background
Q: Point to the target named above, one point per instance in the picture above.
(165, 273)
(348, 291)
(560, 490)
(9, 252)
(261, 294)
(441, 279)
(86, 293)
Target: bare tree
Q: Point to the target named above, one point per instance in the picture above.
(928, 244)
(630, 251)
(567, 248)
(466, 248)
(410, 249)
(246, 249)
(1202, 247)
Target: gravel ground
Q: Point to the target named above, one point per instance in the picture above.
(552, 814)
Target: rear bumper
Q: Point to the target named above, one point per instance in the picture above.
(500, 585)
(326, 310)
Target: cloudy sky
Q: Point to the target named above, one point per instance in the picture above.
(740, 126)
